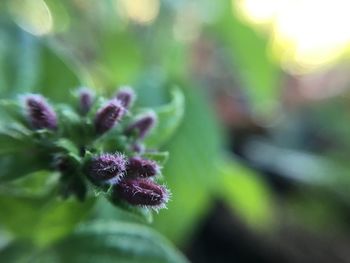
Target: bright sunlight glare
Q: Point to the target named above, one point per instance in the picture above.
(306, 34)
(140, 11)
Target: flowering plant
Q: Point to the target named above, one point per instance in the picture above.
(81, 151)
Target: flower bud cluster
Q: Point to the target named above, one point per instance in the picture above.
(132, 179)
(124, 174)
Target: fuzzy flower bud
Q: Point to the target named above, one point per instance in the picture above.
(85, 100)
(139, 167)
(108, 168)
(40, 113)
(141, 192)
(126, 96)
(143, 125)
(108, 116)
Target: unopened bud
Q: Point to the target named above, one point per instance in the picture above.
(143, 125)
(108, 116)
(126, 96)
(141, 192)
(139, 167)
(85, 100)
(40, 113)
(107, 168)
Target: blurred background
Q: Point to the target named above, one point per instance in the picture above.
(259, 166)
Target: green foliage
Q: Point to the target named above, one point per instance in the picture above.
(121, 57)
(123, 241)
(169, 118)
(11, 170)
(29, 65)
(246, 193)
(29, 186)
(49, 219)
(198, 171)
(19, 65)
(11, 141)
(191, 172)
(92, 45)
(101, 241)
(32, 201)
(77, 141)
(249, 54)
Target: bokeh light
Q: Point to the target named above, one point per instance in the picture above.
(306, 34)
(139, 11)
(33, 16)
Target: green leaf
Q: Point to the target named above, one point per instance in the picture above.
(56, 77)
(19, 59)
(49, 218)
(10, 144)
(99, 241)
(169, 118)
(104, 241)
(20, 164)
(14, 110)
(120, 56)
(14, 137)
(246, 193)
(69, 147)
(58, 218)
(160, 157)
(105, 210)
(31, 66)
(19, 252)
(191, 172)
(142, 213)
(71, 125)
(37, 184)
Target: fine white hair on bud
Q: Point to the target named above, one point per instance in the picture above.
(126, 96)
(107, 168)
(85, 99)
(108, 116)
(141, 167)
(143, 125)
(142, 192)
(40, 114)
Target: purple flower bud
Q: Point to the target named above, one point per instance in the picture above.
(108, 168)
(143, 125)
(40, 113)
(85, 100)
(108, 116)
(139, 167)
(127, 96)
(141, 192)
